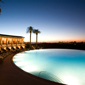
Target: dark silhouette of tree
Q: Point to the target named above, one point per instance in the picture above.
(30, 30)
(0, 6)
(1, 1)
(0, 9)
(36, 31)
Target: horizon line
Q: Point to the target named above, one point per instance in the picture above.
(55, 42)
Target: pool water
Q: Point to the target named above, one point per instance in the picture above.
(59, 65)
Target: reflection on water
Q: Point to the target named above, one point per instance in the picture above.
(54, 64)
(46, 75)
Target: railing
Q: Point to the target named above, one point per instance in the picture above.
(14, 44)
(4, 45)
(18, 44)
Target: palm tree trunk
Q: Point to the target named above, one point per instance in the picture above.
(36, 39)
(30, 39)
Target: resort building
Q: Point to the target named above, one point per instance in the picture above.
(10, 42)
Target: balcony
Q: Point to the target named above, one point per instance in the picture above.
(18, 44)
(14, 44)
(9, 45)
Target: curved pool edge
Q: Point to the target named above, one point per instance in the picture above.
(35, 78)
(75, 50)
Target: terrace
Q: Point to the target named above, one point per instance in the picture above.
(11, 42)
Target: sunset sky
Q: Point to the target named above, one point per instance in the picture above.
(58, 20)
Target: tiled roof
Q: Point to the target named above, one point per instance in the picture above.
(4, 35)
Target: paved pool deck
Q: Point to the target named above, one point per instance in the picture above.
(12, 75)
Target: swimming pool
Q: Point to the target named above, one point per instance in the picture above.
(59, 65)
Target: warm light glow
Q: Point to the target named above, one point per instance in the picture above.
(9, 39)
(4, 39)
(5, 48)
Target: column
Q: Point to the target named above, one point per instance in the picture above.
(22, 41)
(17, 43)
(6, 41)
(0, 40)
(11, 41)
(0, 43)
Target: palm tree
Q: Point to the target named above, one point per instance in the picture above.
(0, 6)
(1, 1)
(36, 31)
(30, 29)
(0, 10)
